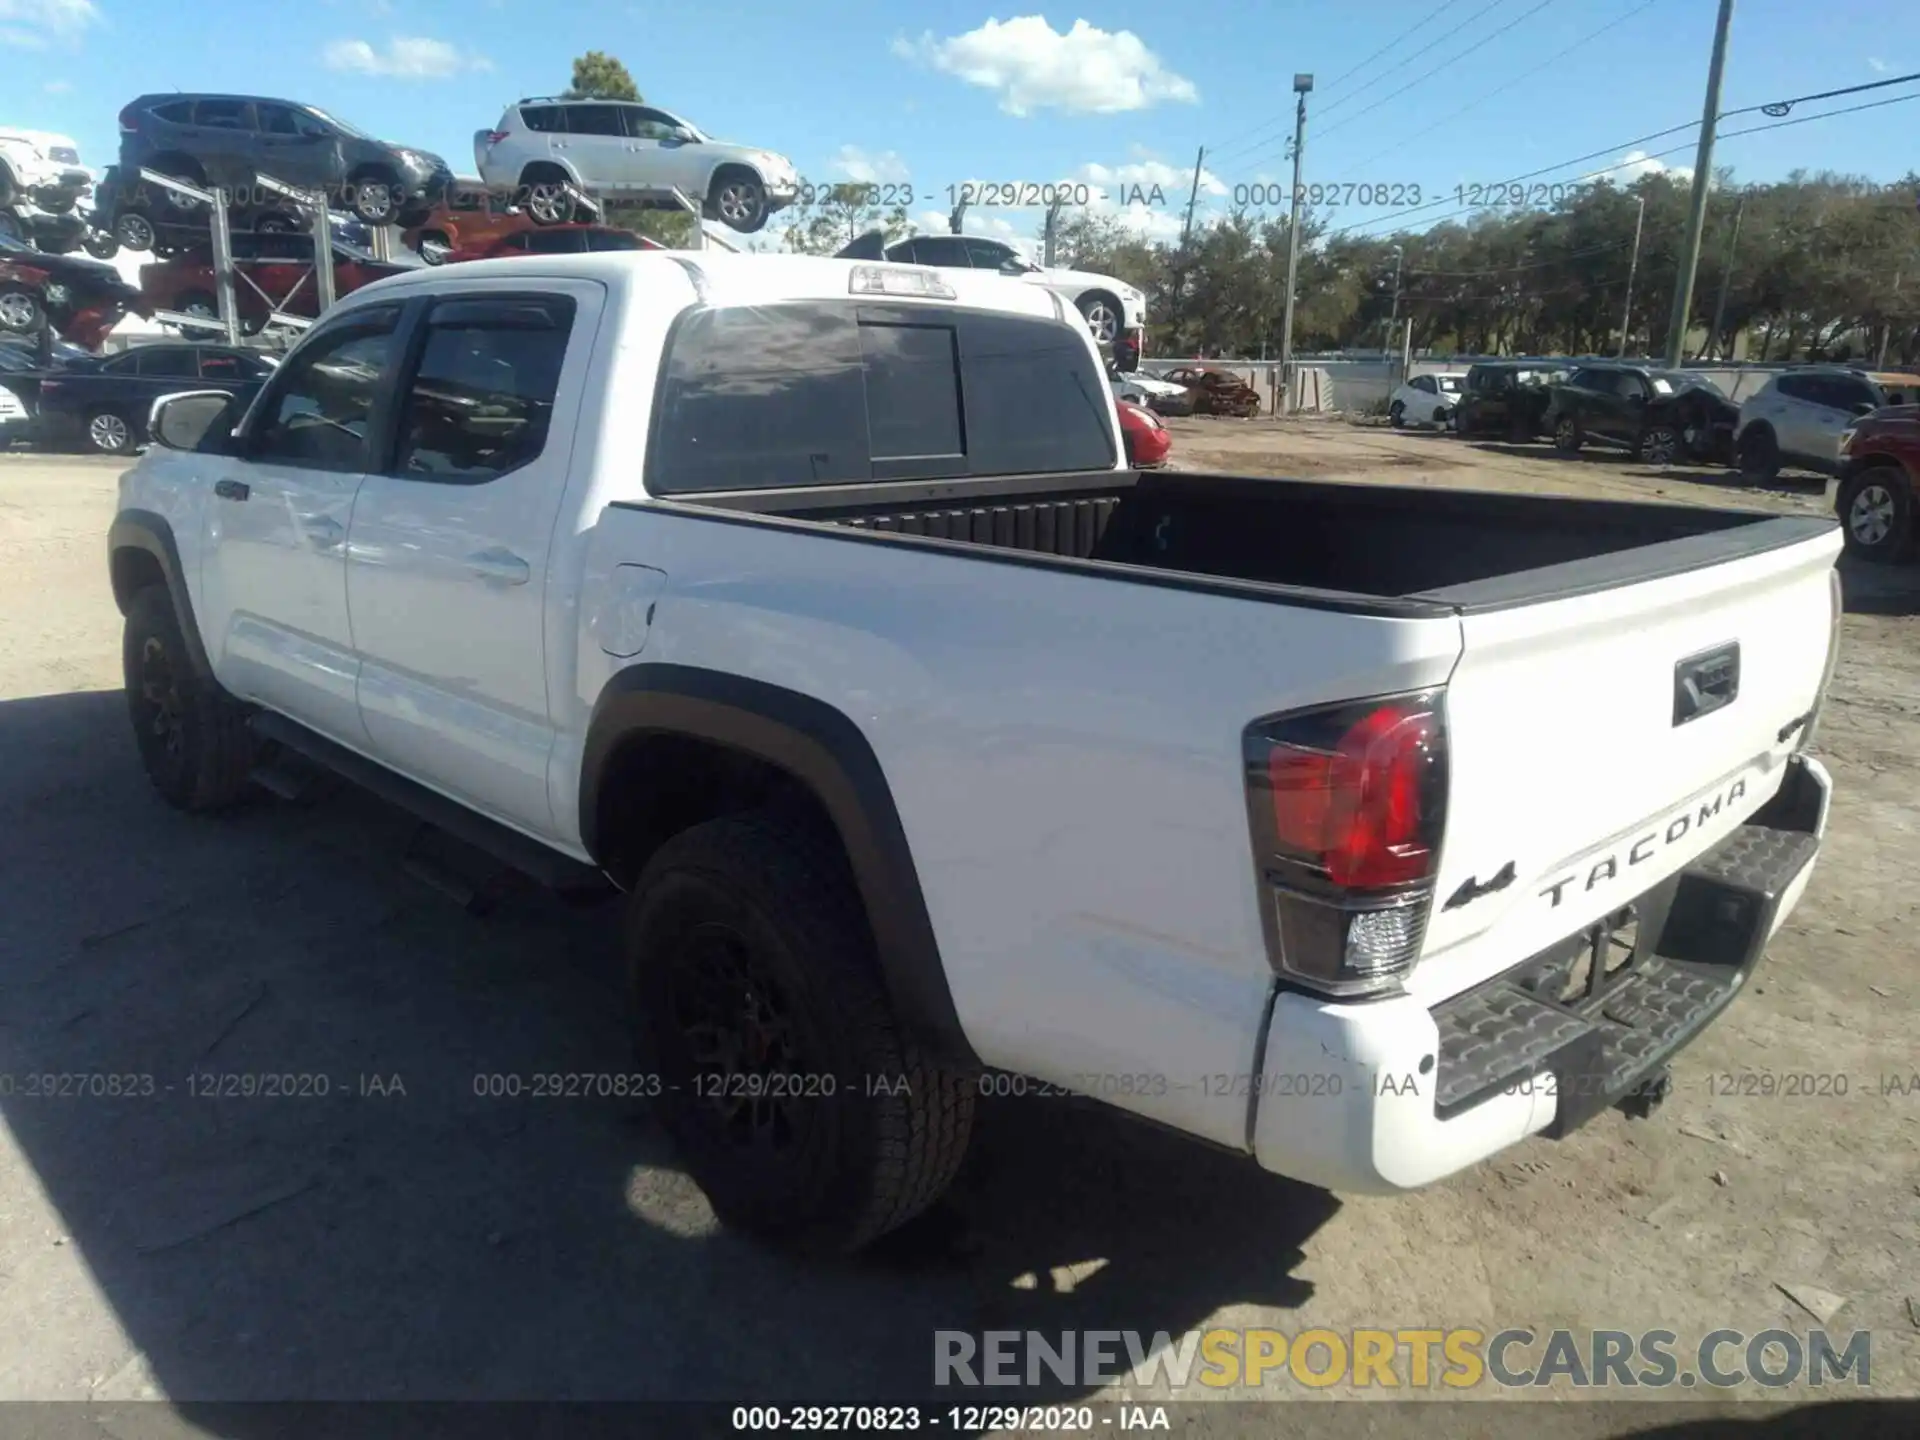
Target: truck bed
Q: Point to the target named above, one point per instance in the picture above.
(1422, 547)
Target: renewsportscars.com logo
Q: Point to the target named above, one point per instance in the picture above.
(1412, 1359)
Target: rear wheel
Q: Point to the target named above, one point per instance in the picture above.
(193, 738)
(1759, 455)
(1102, 314)
(100, 245)
(546, 195)
(1876, 511)
(804, 1111)
(1397, 414)
(202, 306)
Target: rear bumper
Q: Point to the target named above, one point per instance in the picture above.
(1387, 1096)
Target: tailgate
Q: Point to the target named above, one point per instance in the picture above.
(1600, 741)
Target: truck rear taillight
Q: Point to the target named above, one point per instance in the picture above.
(129, 121)
(1347, 804)
(494, 137)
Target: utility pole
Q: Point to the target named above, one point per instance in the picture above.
(1302, 86)
(1393, 320)
(1702, 176)
(1193, 196)
(1186, 232)
(1633, 265)
(1052, 225)
(1726, 282)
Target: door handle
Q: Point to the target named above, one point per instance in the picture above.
(500, 566)
(231, 489)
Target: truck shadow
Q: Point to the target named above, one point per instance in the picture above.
(380, 1222)
(1870, 589)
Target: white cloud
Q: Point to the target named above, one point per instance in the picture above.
(1876, 64)
(36, 24)
(1087, 70)
(1633, 166)
(405, 58)
(886, 168)
(1150, 175)
(57, 87)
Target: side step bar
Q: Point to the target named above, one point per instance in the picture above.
(512, 849)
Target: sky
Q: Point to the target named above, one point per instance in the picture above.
(1426, 96)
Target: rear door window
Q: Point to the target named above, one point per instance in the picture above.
(224, 114)
(596, 120)
(168, 361)
(547, 119)
(818, 394)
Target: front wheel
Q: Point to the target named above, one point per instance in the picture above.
(21, 310)
(100, 245)
(1876, 511)
(193, 737)
(802, 1107)
(109, 433)
(1659, 445)
(739, 202)
(1102, 317)
(1397, 415)
(374, 200)
(134, 231)
(1567, 436)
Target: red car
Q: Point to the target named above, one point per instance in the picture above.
(556, 240)
(259, 286)
(1877, 492)
(80, 300)
(1148, 442)
(470, 216)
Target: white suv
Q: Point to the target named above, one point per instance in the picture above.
(1798, 417)
(606, 147)
(41, 167)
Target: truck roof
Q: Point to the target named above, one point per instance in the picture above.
(724, 278)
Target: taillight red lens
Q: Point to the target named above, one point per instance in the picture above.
(1359, 810)
(127, 121)
(494, 137)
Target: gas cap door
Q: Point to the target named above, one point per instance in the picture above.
(621, 628)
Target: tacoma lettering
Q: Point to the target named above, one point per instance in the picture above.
(1647, 846)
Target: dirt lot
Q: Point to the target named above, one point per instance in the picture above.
(403, 1238)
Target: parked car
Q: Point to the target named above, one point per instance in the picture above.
(261, 286)
(544, 145)
(16, 421)
(814, 606)
(555, 240)
(1798, 416)
(42, 169)
(1507, 398)
(469, 215)
(57, 232)
(1115, 311)
(1215, 391)
(1426, 400)
(81, 299)
(25, 360)
(1876, 492)
(104, 401)
(1163, 397)
(1147, 440)
(1660, 416)
(231, 140)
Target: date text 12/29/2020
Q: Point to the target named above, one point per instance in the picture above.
(1258, 195)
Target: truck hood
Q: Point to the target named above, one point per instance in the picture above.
(42, 140)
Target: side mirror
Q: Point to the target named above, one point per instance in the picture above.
(199, 420)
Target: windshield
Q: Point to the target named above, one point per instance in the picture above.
(1670, 382)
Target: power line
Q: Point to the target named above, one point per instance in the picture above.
(1529, 265)
(1465, 25)
(1428, 75)
(1586, 39)
(1239, 142)
(1264, 131)
(1637, 160)
(1780, 107)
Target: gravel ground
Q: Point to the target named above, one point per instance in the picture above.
(400, 1237)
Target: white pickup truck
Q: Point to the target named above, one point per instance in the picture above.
(1365, 830)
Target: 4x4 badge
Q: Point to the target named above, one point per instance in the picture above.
(1471, 889)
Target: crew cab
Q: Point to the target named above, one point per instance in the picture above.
(812, 605)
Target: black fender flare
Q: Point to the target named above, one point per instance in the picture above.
(150, 534)
(826, 751)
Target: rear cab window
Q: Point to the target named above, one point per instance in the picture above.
(821, 393)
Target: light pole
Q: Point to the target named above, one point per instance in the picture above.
(1393, 320)
(1302, 86)
(1626, 311)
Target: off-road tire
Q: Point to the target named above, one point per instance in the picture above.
(193, 737)
(892, 1134)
